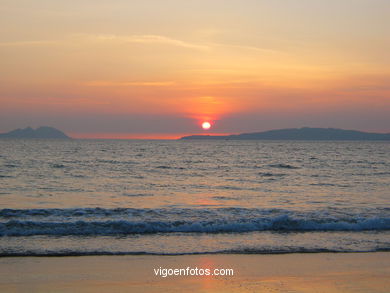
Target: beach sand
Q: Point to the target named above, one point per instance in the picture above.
(321, 272)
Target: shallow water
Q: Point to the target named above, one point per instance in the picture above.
(173, 197)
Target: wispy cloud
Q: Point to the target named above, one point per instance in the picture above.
(137, 39)
(252, 48)
(102, 83)
(82, 38)
(27, 43)
(150, 39)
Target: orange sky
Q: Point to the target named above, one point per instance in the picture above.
(160, 68)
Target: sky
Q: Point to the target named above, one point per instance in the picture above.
(158, 69)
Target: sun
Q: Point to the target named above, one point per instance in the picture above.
(206, 125)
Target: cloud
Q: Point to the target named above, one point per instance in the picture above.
(149, 39)
(251, 48)
(27, 43)
(103, 83)
(140, 39)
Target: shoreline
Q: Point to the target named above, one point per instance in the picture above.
(86, 254)
(294, 272)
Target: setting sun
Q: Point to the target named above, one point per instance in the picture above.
(206, 125)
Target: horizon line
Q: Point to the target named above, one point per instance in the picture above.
(176, 136)
(165, 136)
(139, 136)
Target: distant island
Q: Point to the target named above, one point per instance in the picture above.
(41, 132)
(305, 133)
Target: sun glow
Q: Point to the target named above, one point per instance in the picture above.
(206, 125)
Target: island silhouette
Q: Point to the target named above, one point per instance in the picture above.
(304, 133)
(40, 132)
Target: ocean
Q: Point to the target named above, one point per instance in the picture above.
(103, 197)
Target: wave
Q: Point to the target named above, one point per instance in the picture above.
(230, 212)
(289, 250)
(283, 223)
(58, 166)
(283, 166)
(269, 174)
(20, 213)
(6, 176)
(126, 221)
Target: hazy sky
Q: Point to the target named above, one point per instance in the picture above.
(160, 68)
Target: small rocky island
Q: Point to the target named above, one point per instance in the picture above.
(41, 132)
(305, 133)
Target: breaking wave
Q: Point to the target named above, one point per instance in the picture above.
(232, 251)
(96, 221)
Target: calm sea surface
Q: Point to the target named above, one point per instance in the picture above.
(81, 197)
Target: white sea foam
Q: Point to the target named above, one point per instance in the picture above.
(136, 221)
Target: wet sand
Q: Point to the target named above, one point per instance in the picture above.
(322, 272)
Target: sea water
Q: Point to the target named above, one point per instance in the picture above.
(95, 197)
